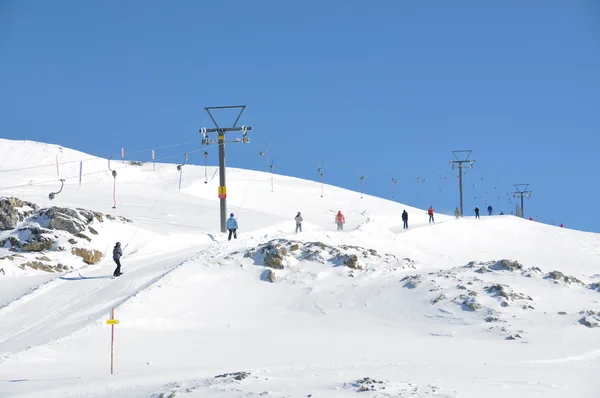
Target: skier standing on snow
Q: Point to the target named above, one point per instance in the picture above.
(489, 210)
(456, 213)
(298, 219)
(340, 220)
(476, 211)
(232, 226)
(405, 219)
(117, 253)
(430, 212)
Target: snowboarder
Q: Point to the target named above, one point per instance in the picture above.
(340, 220)
(456, 213)
(430, 212)
(232, 226)
(117, 253)
(298, 219)
(562, 225)
(405, 219)
(490, 210)
(476, 211)
(501, 213)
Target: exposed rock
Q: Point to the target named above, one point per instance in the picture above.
(268, 275)
(562, 313)
(272, 254)
(513, 337)
(591, 321)
(595, 286)
(42, 258)
(64, 219)
(13, 211)
(98, 216)
(412, 281)
(559, 276)
(82, 236)
(234, 376)
(367, 384)
(72, 241)
(87, 215)
(88, 256)
(92, 230)
(37, 265)
(528, 273)
(11, 257)
(351, 261)
(504, 304)
(111, 218)
(483, 270)
(438, 299)
(470, 303)
(124, 219)
(38, 243)
(294, 247)
(505, 292)
(509, 265)
(492, 318)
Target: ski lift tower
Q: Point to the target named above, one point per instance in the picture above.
(460, 162)
(221, 142)
(522, 193)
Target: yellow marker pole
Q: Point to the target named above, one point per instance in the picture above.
(112, 322)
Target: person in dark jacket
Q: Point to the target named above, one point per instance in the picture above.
(298, 219)
(476, 211)
(117, 254)
(490, 210)
(405, 219)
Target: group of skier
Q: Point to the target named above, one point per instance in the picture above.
(340, 220)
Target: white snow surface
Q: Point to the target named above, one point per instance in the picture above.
(422, 319)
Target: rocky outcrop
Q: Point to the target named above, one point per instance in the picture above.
(276, 253)
(591, 319)
(64, 219)
(505, 292)
(13, 211)
(88, 256)
(351, 261)
(268, 276)
(558, 276)
(412, 281)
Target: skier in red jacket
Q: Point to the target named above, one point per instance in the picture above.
(430, 212)
(340, 220)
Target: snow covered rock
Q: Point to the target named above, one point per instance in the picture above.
(269, 276)
(558, 276)
(13, 211)
(412, 281)
(505, 292)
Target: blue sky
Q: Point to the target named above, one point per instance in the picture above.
(392, 87)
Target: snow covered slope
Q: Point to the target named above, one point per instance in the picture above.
(431, 311)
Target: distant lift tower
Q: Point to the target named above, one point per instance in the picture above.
(522, 192)
(469, 164)
(221, 137)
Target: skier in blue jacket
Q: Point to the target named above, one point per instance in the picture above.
(232, 226)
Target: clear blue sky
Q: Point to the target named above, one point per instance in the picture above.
(386, 86)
